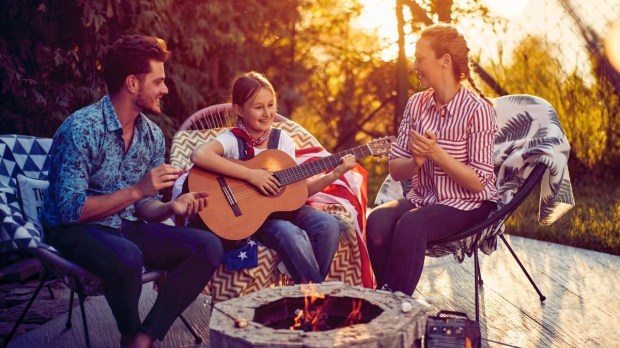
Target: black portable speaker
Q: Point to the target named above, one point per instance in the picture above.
(449, 329)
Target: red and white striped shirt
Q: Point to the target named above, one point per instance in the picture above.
(465, 129)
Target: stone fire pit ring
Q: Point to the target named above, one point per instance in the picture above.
(394, 327)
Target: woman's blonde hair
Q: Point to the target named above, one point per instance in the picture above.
(445, 39)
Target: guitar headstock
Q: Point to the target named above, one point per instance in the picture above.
(381, 147)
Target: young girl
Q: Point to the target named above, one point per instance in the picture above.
(445, 145)
(305, 239)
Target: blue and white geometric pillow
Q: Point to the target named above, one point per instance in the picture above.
(27, 155)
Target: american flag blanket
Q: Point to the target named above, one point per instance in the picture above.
(350, 192)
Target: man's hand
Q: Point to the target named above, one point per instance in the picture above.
(264, 181)
(189, 203)
(158, 178)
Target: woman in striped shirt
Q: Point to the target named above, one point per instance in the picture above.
(445, 145)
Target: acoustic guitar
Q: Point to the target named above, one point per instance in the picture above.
(237, 209)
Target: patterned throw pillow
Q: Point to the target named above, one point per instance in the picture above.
(25, 155)
(31, 195)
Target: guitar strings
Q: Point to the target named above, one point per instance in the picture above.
(300, 172)
(294, 174)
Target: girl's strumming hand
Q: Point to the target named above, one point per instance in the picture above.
(264, 181)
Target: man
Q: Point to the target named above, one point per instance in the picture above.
(106, 171)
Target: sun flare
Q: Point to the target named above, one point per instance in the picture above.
(380, 17)
(507, 9)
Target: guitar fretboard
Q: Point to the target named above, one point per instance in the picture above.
(308, 169)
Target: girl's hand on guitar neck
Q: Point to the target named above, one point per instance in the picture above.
(348, 163)
(264, 181)
(315, 185)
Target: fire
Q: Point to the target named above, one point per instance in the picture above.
(311, 314)
(356, 313)
(314, 317)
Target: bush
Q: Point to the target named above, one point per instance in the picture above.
(594, 222)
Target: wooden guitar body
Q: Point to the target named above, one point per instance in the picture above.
(236, 208)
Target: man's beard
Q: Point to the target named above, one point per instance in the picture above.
(146, 104)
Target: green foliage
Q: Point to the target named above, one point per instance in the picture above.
(593, 223)
(50, 52)
(44, 75)
(585, 108)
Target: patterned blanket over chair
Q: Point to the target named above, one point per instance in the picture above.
(23, 180)
(27, 156)
(351, 264)
(529, 133)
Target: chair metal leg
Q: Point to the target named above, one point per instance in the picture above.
(197, 337)
(81, 298)
(69, 324)
(44, 278)
(542, 297)
(49, 290)
(476, 277)
(479, 278)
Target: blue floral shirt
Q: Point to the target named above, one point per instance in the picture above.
(88, 158)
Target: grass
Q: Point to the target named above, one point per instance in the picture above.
(594, 222)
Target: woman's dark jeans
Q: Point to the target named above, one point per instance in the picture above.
(397, 234)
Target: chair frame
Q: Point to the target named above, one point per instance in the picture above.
(215, 116)
(51, 261)
(499, 215)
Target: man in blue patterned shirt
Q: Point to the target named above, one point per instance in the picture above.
(106, 170)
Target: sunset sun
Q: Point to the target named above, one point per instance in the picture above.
(380, 17)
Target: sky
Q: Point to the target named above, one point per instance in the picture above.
(525, 17)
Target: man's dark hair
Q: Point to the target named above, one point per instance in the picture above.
(131, 55)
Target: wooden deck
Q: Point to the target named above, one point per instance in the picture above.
(581, 310)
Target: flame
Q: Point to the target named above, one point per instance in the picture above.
(314, 315)
(310, 315)
(356, 313)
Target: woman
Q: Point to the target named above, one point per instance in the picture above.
(445, 145)
(306, 239)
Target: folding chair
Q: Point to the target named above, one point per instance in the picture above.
(215, 116)
(497, 217)
(530, 149)
(82, 283)
(28, 156)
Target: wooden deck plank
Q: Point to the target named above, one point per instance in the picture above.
(581, 309)
(102, 327)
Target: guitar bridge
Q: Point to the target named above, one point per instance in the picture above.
(230, 198)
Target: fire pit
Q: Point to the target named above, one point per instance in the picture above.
(336, 315)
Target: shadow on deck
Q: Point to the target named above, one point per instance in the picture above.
(581, 309)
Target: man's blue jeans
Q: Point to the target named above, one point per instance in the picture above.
(306, 239)
(190, 256)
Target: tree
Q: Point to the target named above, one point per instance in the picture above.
(583, 120)
(607, 87)
(51, 52)
(422, 14)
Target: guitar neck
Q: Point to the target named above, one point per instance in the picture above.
(303, 171)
